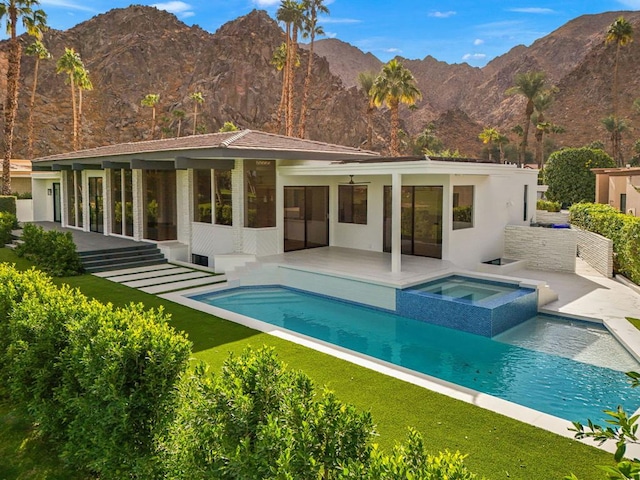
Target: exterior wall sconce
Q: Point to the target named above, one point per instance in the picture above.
(49, 192)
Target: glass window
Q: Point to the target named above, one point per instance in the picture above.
(462, 206)
(116, 201)
(526, 203)
(122, 202)
(224, 208)
(71, 198)
(202, 196)
(160, 212)
(260, 193)
(352, 204)
(78, 181)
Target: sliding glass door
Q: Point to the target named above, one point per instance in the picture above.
(306, 217)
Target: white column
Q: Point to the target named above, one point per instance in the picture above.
(107, 201)
(138, 204)
(396, 230)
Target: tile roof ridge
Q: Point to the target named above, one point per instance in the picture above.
(226, 143)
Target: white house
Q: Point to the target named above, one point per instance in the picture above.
(206, 198)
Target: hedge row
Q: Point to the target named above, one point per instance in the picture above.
(52, 251)
(113, 389)
(8, 222)
(623, 230)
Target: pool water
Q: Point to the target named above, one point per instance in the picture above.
(570, 371)
(464, 288)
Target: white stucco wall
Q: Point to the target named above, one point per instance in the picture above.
(41, 182)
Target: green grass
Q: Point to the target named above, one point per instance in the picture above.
(498, 447)
(635, 322)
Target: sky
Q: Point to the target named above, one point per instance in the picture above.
(455, 31)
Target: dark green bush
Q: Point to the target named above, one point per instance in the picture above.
(52, 251)
(8, 204)
(8, 222)
(548, 206)
(623, 230)
(569, 176)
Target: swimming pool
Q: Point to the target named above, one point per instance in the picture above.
(572, 384)
(466, 289)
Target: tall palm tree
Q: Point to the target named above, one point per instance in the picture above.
(529, 85)
(488, 136)
(395, 85)
(83, 83)
(621, 33)
(179, 115)
(615, 126)
(69, 63)
(34, 21)
(366, 81)
(38, 50)
(541, 103)
(151, 100)
(198, 99)
(291, 13)
(310, 29)
(279, 60)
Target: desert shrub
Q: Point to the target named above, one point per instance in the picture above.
(52, 251)
(569, 176)
(8, 204)
(8, 222)
(548, 206)
(623, 230)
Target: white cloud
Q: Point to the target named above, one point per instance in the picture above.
(265, 3)
(474, 56)
(392, 50)
(448, 14)
(66, 4)
(633, 4)
(478, 41)
(543, 11)
(182, 9)
(328, 20)
(330, 34)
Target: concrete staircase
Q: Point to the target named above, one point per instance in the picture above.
(142, 255)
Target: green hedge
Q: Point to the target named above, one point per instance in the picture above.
(52, 251)
(623, 230)
(8, 222)
(548, 206)
(8, 204)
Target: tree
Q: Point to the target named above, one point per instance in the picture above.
(83, 83)
(310, 29)
(34, 22)
(279, 60)
(615, 127)
(529, 85)
(37, 50)
(229, 127)
(393, 86)
(291, 13)
(366, 81)
(179, 115)
(541, 103)
(69, 63)
(569, 176)
(621, 33)
(198, 99)
(428, 141)
(150, 101)
(488, 136)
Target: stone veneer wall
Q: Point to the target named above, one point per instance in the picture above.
(551, 249)
(596, 250)
(542, 216)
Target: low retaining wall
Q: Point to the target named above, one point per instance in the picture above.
(550, 249)
(596, 250)
(542, 216)
(24, 210)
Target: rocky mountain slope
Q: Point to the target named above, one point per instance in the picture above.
(139, 50)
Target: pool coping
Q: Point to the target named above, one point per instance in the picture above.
(497, 405)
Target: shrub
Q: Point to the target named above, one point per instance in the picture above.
(623, 230)
(8, 204)
(548, 206)
(569, 176)
(52, 251)
(8, 222)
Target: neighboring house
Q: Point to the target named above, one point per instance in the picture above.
(20, 176)
(620, 188)
(208, 198)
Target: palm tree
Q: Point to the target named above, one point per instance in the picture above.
(198, 99)
(151, 100)
(615, 126)
(393, 86)
(69, 63)
(502, 141)
(541, 103)
(311, 28)
(34, 22)
(40, 52)
(488, 136)
(291, 14)
(279, 60)
(228, 127)
(179, 115)
(621, 33)
(366, 81)
(529, 85)
(83, 82)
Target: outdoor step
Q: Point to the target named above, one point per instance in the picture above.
(134, 248)
(166, 279)
(196, 282)
(113, 254)
(111, 274)
(120, 266)
(122, 260)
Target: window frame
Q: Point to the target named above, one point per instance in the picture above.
(350, 211)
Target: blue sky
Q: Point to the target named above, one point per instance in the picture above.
(456, 31)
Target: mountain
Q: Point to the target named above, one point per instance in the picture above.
(138, 50)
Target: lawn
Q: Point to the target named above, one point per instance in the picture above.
(498, 447)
